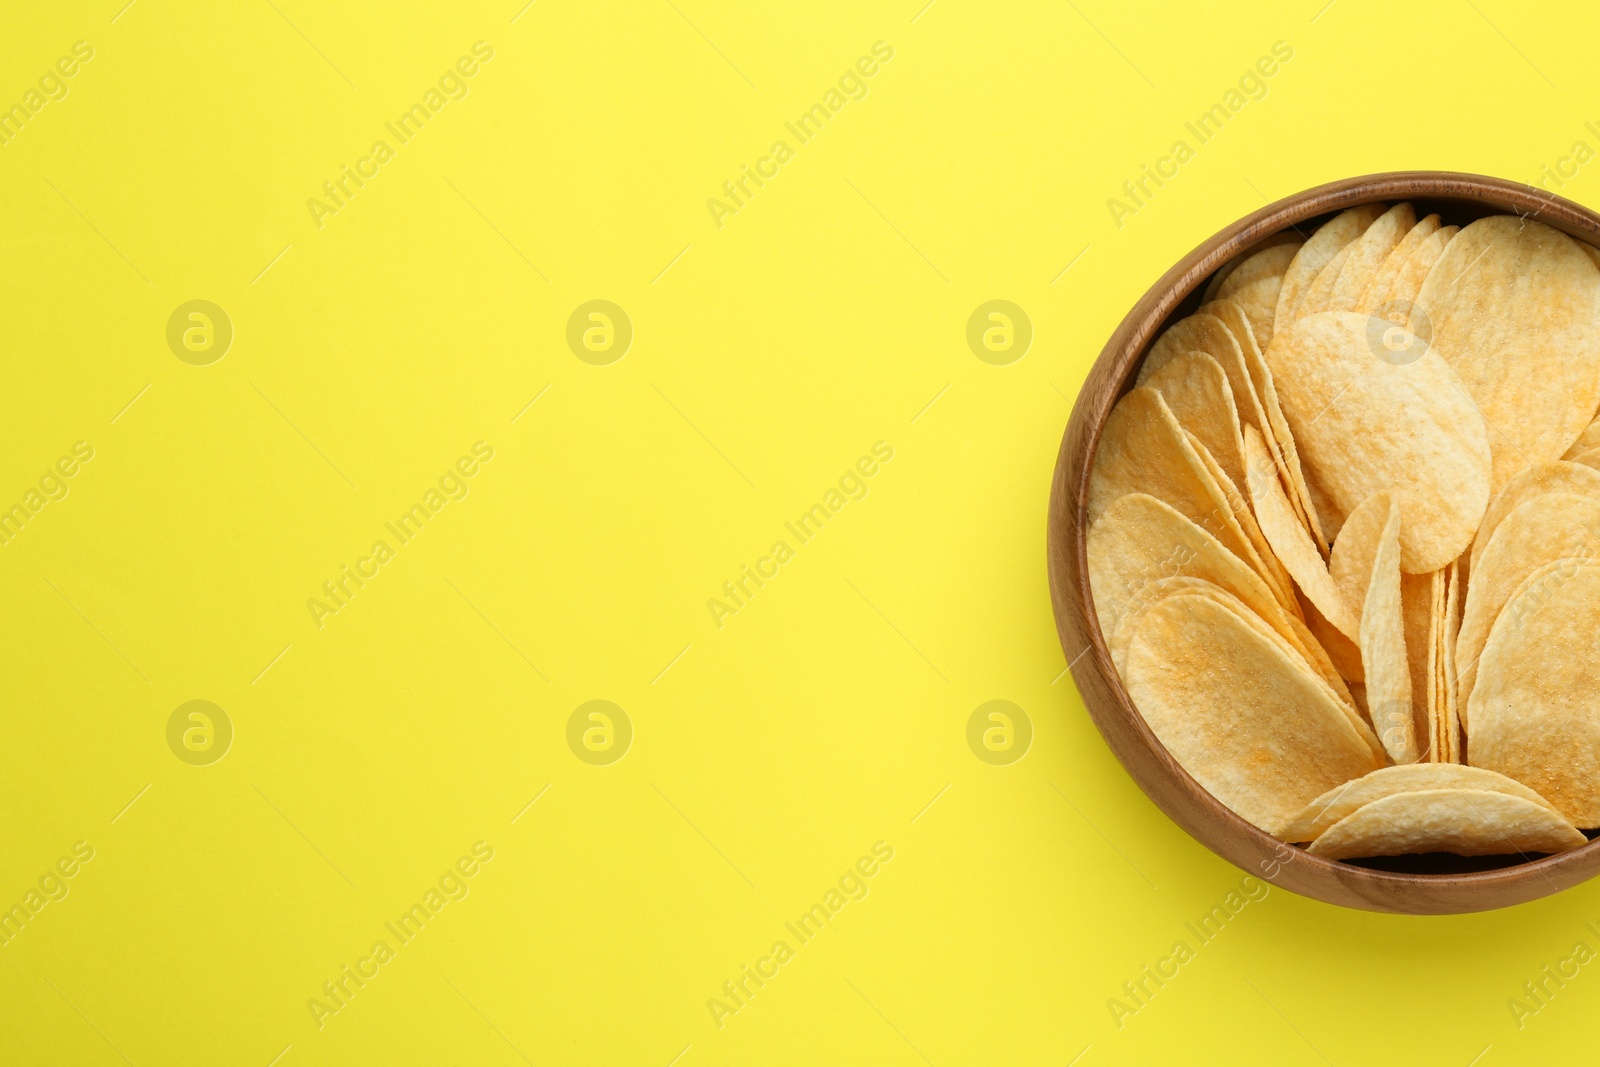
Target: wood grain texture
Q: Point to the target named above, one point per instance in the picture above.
(1459, 198)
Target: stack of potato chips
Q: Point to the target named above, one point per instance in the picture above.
(1344, 536)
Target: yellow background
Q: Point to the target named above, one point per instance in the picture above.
(768, 354)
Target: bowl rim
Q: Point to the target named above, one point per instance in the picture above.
(1130, 738)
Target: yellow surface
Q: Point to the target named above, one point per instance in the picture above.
(769, 353)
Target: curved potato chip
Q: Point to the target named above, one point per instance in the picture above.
(1181, 584)
(1250, 724)
(1407, 284)
(1356, 551)
(1343, 800)
(1250, 256)
(1514, 308)
(1343, 653)
(1542, 529)
(1418, 608)
(1383, 647)
(1377, 290)
(1197, 392)
(1368, 253)
(1319, 294)
(1264, 561)
(1368, 425)
(1466, 822)
(1142, 449)
(1590, 458)
(1533, 714)
(1140, 540)
(1287, 536)
(1316, 252)
(1589, 438)
(1280, 442)
(1200, 332)
(1268, 263)
(1450, 713)
(1258, 301)
(1555, 476)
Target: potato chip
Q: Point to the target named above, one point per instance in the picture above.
(1356, 553)
(1264, 560)
(1383, 648)
(1377, 291)
(1407, 285)
(1200, 332)
(1343, 653)
(1466, 822)
(1288, 538)
(1438, 742)
(1589, 438)
(1556, 476)
(1162, 588)
(1198, 394)
(1368, 425)
(1258, 301)
(1345, 799)
(1143, 450)
(1316, 252)
(1140, 540)
(1533, 714)
(1368, 253)
(1256, 262)
(1590, 458)
(1319, 294)
(1250, 724)
(1540, 530)
(1418, 611)
(1268, 263)
(1450, 712)
(1514, 308)
(1280, 442)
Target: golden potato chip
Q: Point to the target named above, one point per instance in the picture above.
(1383, 648)
(1264, 561)
(1201, 332)
(1514, 308)
(1540, 530)
(1467, 822)
(1280, 442)
(1288, 537)
(1368, 425)
(1268, 263)
(1345, 799)
(1250, 724)
(1589, 438)
(1368, 253)
(1258, 301)
(1407, 284)
(1319, 294)
(1354, 554)
(1162, 588)
(1449, 712)
(1142, 449)
(1589, 458)
(1533, 714)
(1343, 653)
(1377, 291)
(1316, 252)
(1252, 262)
(1198, 394)
(1556, 476)
(1140, 540)
(1418, 610)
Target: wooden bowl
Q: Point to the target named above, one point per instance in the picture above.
(1418, 885)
